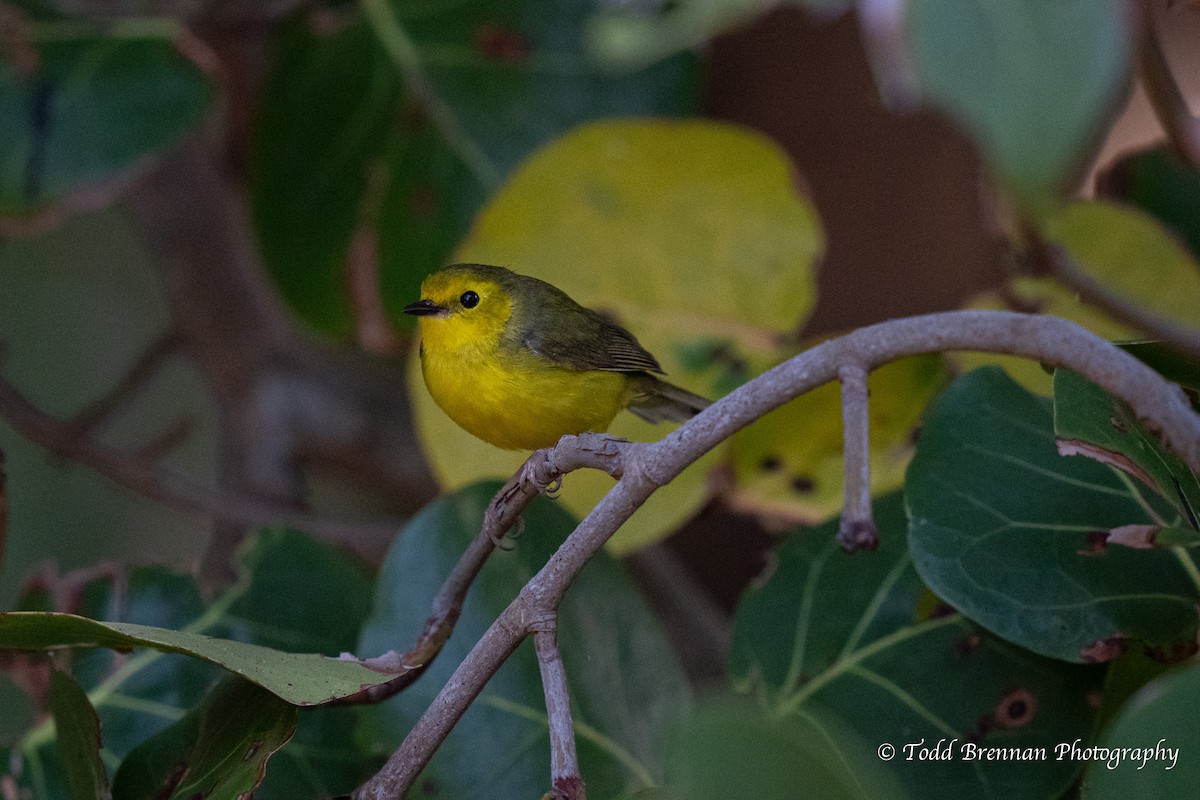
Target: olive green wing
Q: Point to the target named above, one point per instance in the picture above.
(560, 330)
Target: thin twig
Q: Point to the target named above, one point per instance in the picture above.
(1170, 106)
(1063, 266)
(138, 375)
(644, 467)
(856, 531)
(541, 470)
(165, 485)
(566, 780)
(444, 613)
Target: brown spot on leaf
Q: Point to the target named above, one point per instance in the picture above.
(251, 750)
(803, 484)
(430, 787)
(968, 644)
(1097, 544)
(770, 463)
(1016, 709)
(501, 43)
(1118, 424)
(1104, 649)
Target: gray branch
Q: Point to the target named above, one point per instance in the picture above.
(1161, 405)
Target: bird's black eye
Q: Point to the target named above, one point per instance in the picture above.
(469, 299)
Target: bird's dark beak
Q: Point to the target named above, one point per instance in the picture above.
(424, 308)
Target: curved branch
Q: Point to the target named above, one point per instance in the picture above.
(1168, 102)
(644, 467)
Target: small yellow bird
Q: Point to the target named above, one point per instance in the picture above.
(518, 363)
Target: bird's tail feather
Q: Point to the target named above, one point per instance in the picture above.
(656, 400)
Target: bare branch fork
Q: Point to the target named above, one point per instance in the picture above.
(641, 468)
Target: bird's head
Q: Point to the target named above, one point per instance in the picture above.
(464, 306)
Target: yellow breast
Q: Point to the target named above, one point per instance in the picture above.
(513, 400)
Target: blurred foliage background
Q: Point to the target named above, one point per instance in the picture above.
(212, 211)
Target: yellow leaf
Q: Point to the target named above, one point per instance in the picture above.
(692, 234)
(788, 465)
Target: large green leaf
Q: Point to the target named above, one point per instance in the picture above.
(1012, 534)
(1144, 752)
(89, 103)
(139, 694)
(624, 681)
(219, 749)
(322, 127)
(1089, 421)
(78, 730)
(1031, 81)
(841, 637)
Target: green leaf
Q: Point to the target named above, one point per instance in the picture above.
(624, 681)
(299, 678)
(1032, 82)
(218, 749)
(1146, 748)
(727, 749)
(831, 636)
(1168, 362)
(1088, 421)
(89, 104)
(1130, 253)
(688, 233)
(78, 739)
(1159, 182)
(322, 127)
(141, 693)
(1012, 534)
